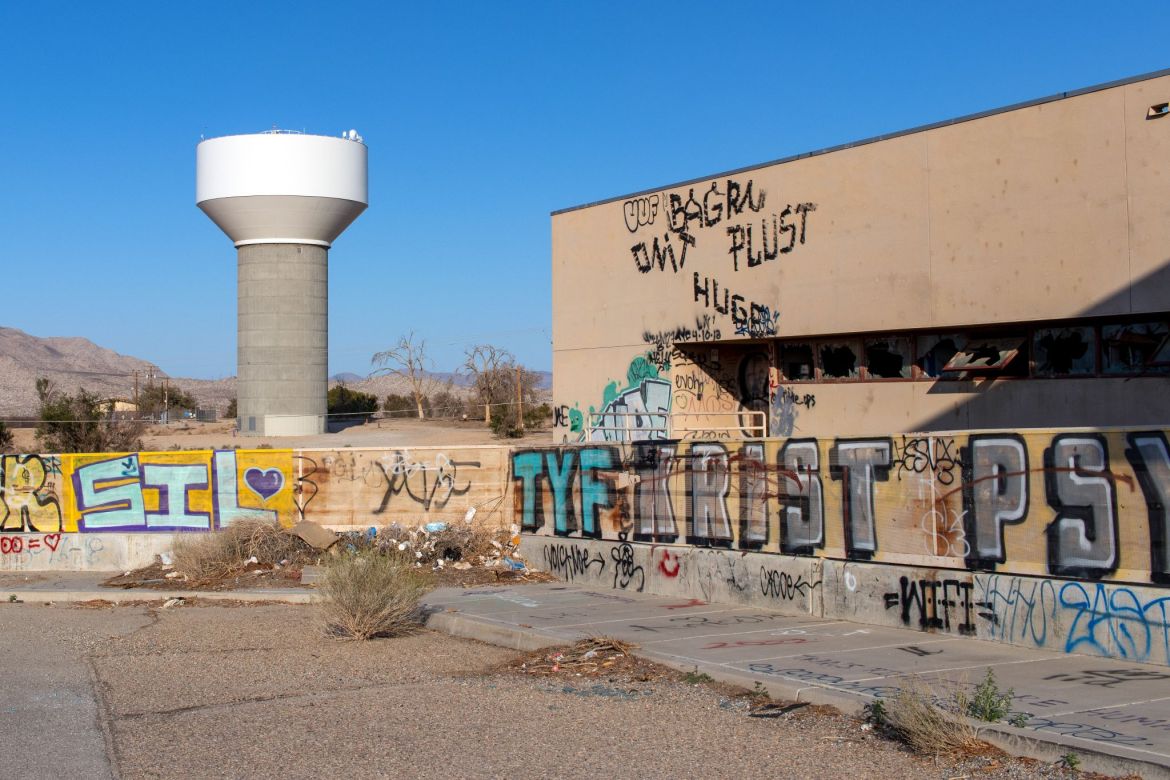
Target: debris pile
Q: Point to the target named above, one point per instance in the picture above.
(261, 554)
(599, 656)
(438, 546)
(247, 553)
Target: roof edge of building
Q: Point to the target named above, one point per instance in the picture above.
(883, 137)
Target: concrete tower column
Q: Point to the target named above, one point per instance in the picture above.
(283, 198)
(283, 339)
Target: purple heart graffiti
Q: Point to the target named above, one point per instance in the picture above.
(264, 483)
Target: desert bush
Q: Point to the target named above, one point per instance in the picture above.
(397, 403)
(366, 594)
(914, 717)
(5, 438)
(82, 422)
(349, 404)
(228, 551)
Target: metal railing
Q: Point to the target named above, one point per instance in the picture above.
(747, 424)
(633, 426)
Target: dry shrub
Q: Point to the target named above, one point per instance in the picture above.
(366, 594)
(927, 728)
(226, 552)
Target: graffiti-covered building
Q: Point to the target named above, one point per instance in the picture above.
(1004, 270)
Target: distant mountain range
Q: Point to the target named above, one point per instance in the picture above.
(74, 362)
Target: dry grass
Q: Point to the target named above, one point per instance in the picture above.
(366, 594)
(228, 551)
(927, 728)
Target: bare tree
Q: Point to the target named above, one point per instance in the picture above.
(490, 370)
(408, 359)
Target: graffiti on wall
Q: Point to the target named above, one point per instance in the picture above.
(668, 226)
(143, 491)
(639, 410)
(204, 490)
(1091, 506)
(28, 493)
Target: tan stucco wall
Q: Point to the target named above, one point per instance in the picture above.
(1052, 211)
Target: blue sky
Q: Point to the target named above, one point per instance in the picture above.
(481, 118)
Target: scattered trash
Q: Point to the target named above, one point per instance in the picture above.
(469, 515)
(175, 602)
(772, 710)
(165, 559)
(439, 546)
(314, 535)
(173, 574)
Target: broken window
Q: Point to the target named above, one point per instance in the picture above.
(839, 360)
(936, 350)
(987, 356)
(796, 362)
(888, 358)
(1135, 348)
(1064, 351)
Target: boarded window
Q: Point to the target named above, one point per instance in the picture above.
(936, 350)
(796, 362)
(1064, 351)
(839, 360)
(985, 356)
(888, 358)
(1135, 348)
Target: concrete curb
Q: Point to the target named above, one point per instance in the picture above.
(1048, 748)
(141, 594)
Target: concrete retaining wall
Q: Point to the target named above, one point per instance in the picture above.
(1056, 539)
(80, 552)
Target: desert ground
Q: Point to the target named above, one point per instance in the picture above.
(231, 690)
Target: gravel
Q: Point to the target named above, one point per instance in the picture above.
(215, 691)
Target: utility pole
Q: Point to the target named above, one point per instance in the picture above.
(136, 410)
(166, 401)
(519, 400)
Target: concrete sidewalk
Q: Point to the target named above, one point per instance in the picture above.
(1115, 716)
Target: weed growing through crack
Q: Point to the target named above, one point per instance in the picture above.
(759, 691)
(988, 703)
(696, 677)
(875, 714)
(1071, 760)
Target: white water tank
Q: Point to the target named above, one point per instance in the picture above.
(283, 199)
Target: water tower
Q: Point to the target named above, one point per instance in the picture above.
(283, 198)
